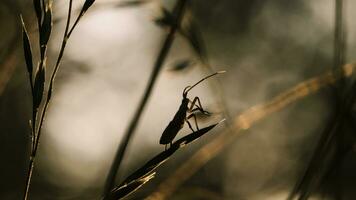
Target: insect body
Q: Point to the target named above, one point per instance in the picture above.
(180, 117)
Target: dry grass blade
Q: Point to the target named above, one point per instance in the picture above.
(162, 157)
(127, 189)
(245, 121)
(195, 135)
(38, 87)
(38, 10)
(27, 50)
(87, 5)
(139, 177)
(45, 30)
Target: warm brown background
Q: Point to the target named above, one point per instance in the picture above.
(265, 46)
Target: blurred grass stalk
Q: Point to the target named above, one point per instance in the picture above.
(8, 61)
(178, 12)
(318, 167)
(243, 122)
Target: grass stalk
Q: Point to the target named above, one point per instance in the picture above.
(339, 34)
(317, 166)
(110, 181)
(53, 76)
(37, 135)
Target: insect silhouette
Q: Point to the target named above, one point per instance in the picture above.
(180, 117)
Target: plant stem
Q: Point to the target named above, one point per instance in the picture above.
(110, 181)
(315, 169)
(49, 93)
(339, 34)
(28, 178)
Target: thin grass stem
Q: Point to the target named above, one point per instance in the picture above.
(43, 114)
(110, 181)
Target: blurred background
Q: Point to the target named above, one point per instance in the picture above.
(266, 47)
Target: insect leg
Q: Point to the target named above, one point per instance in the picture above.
(190, 126)
(199, 106)
(204, 112)
(195, 119)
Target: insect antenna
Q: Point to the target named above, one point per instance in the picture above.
(188, 88)
(185, 90)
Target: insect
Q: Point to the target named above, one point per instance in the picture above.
(180, 117)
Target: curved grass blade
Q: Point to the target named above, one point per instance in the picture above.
(27, 49)
(38, 10)
(195, 135)
(129, 188)
(86, 6)
(139, 177)
(152, 164)
(45, 30)
(163, 156)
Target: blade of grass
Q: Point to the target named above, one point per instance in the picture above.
(138, 178)
(339, 34)
(110, 181)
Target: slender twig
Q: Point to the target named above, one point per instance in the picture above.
(339, 42)
(178, 10)
(339, 34)
(243, 122)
